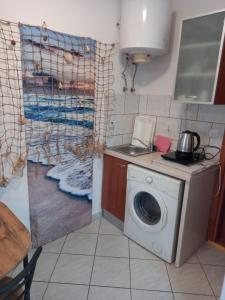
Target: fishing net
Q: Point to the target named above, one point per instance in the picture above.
(12, 141)
(56, 91)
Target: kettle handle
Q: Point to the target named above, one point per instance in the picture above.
(198, 140)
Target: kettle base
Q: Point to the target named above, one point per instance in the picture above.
(172, 156)
(184, 155)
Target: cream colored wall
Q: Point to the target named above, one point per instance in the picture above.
(93, 18)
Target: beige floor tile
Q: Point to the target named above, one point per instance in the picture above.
(137, 251)
(179, 296)
(109, 271)
(45, 266)
(66, 292)
(210, 255)
(151, 295)
(108, 228)
(79, 243)
(189, 278)
(215, 275)
(112, 245)
(73, 269)
(37, 290)
(55, 246)
(107, 293)
(193, 259)
(91, 228)
(149, 275)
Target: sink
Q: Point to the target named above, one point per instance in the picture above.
(131, 150)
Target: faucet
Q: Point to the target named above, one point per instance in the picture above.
(140, 141)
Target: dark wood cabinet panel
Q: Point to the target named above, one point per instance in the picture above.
(114, 186)
(216, 231)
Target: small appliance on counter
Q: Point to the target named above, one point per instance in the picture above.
(186, 152)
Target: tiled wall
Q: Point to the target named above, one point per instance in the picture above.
(171, 118)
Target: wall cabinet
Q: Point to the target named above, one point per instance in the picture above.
(200, 76)
(114, 186)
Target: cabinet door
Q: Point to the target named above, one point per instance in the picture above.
(114, 186)
(199, 60)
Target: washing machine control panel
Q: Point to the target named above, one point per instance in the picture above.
(148, 179)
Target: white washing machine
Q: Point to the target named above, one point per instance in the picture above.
(153, 206)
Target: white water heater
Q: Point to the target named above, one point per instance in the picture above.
(145, 28)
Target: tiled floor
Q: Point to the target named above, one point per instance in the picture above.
(99, 263)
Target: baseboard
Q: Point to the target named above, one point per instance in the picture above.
(96, 216)
(112, 219)
(216, 245)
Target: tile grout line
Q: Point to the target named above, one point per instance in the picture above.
(119, 257)
(54, 267)
(169, 280)
(129, 266)
(125, 288)
(89, 286)
(201, 266)
(129, 257)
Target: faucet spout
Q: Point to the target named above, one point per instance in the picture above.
(140, 141)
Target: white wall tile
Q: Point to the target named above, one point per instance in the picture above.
(183, 111)
(119, 104)
(114, 140)
(202, 128)
(220, 130)
(123, 124)
(168, 127)
(127, 138)
(132, 104)
(159, 105)
(111, 125)
(212, 113)
(143, 105)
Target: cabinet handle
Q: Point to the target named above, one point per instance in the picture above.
(122, 166)
(191, 96)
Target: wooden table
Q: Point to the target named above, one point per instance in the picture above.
(15, 241)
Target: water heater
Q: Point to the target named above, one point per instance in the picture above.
(145, 28)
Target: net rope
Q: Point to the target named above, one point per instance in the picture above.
(56, 95)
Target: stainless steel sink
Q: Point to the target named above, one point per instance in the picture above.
(131, 150)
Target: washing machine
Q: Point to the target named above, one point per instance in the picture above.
(153, 208)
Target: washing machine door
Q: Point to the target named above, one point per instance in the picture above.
(147, 209)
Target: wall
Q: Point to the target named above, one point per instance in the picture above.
(96, 19)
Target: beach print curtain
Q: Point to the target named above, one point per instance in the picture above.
(66, 91)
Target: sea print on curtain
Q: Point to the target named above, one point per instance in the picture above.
(59, 107)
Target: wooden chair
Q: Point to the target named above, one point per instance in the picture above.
(18, 288)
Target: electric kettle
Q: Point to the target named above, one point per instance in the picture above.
(185, 145)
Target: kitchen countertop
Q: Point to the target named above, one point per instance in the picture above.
(155, 162)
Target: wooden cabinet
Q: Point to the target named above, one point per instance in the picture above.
(114, 186)
(200, 76)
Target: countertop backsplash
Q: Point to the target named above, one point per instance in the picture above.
(171, 118)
